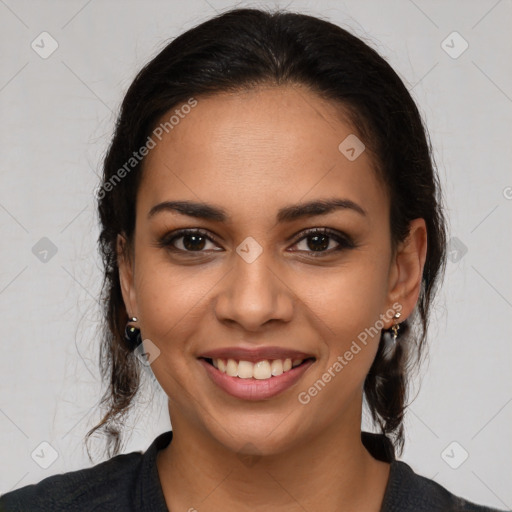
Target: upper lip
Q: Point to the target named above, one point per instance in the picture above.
(254, 354)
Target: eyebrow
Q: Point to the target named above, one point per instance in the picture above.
(286, 214)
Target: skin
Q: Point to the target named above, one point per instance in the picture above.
(253, 153)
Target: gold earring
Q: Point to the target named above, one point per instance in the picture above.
(396, 327)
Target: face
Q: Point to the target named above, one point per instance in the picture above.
(266, 280)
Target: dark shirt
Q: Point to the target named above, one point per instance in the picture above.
(130, 482)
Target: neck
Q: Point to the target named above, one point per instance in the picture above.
(332, 471)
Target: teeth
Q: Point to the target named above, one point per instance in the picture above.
(245, 370)
(276, 367)
(261, 370)
(232, 368)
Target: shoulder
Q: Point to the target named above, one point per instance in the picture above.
(108, 484)
(408, 491)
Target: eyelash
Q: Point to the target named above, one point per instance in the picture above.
(344, 241)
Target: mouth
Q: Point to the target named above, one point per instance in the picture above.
(258, 379)
(260, 370)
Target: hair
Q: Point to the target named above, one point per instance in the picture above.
(242, 49)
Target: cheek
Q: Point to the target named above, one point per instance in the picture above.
(168, 303)
(349, 303)
(166, 299)
(351, 297)
(350, 335)
(172, 302)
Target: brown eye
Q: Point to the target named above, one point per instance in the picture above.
(186, 240)
(193, 242)
(319, 241)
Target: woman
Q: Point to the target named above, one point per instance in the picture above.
(273, 236)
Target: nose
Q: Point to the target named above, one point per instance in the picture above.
(254, 293)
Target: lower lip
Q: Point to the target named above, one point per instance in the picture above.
(255, 389)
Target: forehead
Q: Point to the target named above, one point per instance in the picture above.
(270, 145)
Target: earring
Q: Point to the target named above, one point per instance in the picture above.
(389, 338)
(132, 334)
(396, 326)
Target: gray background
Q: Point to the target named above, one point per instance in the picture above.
(57, 117)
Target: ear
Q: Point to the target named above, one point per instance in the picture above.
(407, 268)
(125, 265)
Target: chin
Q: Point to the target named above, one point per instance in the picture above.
(252, 436)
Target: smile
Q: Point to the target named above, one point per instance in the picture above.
(260, 370)
(257, 380)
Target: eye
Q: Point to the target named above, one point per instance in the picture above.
(320, 240)
(188, 240)
(196, 240)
